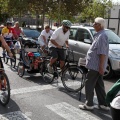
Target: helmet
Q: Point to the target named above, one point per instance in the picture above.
(8, 23)
(30, 54)
(36, 54)
(66, 23)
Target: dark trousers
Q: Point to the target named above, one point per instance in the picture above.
(115, 113)
(94, 81)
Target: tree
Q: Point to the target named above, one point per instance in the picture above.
(17, 7)
(96, 8)
(3, 10)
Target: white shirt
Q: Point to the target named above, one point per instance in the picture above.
(44, 33)
(116, 102)
(59, 36)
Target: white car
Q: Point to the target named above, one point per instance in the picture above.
(81, 39)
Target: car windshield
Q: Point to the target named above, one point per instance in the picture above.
(112, 37)
(31, 33)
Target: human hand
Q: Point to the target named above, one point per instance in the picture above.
(67, 46)
(101, 71)
(10, 54)
(59, 46)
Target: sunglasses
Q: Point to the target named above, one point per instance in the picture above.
(96, 24)
(67, 27)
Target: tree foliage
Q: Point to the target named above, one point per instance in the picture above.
(96, 8)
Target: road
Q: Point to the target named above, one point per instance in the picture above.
(33, 99)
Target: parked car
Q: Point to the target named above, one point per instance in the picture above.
(31, 37)
(81, 38)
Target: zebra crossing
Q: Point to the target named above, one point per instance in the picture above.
(64, 110)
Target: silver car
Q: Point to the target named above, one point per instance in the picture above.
(81, 39)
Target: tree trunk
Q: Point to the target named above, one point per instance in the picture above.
(37, 19)
(43, 19)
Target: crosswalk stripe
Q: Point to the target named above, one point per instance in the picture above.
(68, 112)
(38, 88)
(31, 89)
(17, 115)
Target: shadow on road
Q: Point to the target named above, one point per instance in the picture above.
(102, 114)
(11, 107)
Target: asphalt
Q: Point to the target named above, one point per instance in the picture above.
(33, 99)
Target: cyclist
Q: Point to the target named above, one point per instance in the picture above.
(59, 37)
(8, 34)
(4, 44)
(17, 30)
(44, 36)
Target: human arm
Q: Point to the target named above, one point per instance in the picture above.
(44, 39)
(67, 45)
(55, 43)
(101, 65)
(102, 51)
(5, 45)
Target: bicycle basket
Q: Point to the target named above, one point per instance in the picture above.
(70, 56)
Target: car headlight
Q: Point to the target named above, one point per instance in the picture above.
(114, 54)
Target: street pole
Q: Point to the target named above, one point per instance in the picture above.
(118, 22)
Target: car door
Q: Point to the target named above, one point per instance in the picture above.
(80, 47)
(72, 38)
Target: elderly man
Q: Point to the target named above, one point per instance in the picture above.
(96, 62)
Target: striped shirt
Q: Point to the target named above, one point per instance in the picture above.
(99, 46)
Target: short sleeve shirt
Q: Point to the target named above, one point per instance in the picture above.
(99, 46)
(17, 31)
(44, 33)
(59, 36)
(7, 33)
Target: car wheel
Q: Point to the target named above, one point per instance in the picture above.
(109, 72)
(26, 46)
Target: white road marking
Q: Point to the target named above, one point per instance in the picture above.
(7, 68)
(17, 115)
(68, 112)
(36, 88)
(31, 89)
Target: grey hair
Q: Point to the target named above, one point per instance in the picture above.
(101, 21)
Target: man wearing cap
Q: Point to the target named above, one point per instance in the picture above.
(96, 62)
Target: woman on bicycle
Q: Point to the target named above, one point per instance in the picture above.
(18, 30)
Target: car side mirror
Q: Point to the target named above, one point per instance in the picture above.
(87, 41)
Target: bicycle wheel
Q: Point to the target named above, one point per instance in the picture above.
(13, 62)
(4, 89)
(5, 59)
(21, 69)
(47, 77)
(72, 79)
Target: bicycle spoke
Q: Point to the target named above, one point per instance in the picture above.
(72, 79)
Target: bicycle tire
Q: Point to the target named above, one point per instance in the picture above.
(5, 94)
(13, 62)
(73, 79)
(5, 60)
(47, 77)
(21, 70)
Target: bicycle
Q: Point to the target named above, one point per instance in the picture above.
(6, 56)
(4, 86)
(72, 76)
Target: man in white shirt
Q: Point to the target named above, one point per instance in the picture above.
(59, 37)
(44, 36)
